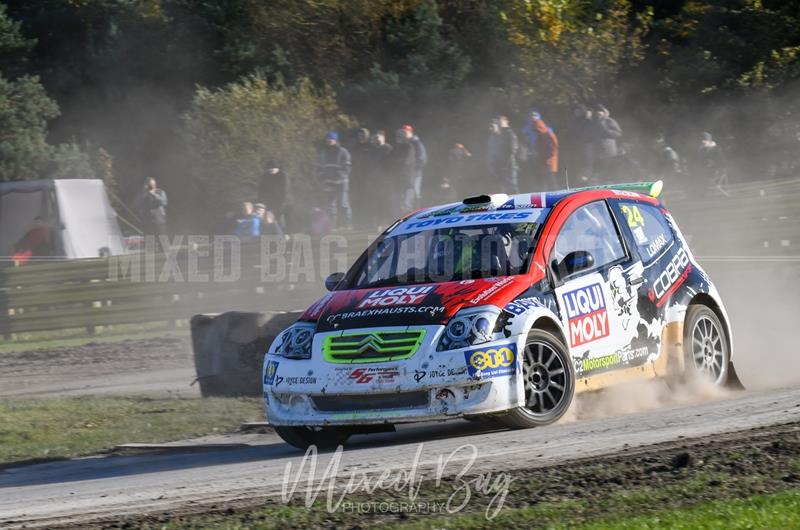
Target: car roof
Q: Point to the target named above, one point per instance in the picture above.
(523, 201)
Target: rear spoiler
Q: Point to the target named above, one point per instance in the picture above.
(652, 189)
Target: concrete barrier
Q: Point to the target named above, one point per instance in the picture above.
(229, 349)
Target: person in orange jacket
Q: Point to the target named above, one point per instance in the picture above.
(544, 163)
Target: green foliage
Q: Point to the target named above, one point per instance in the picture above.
(24, 111)
(69, 161)
(568, 50)
(232, 133)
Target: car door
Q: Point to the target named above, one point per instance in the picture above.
(652, 240)
(596, 295)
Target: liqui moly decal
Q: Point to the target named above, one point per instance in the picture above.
(395, 297)
(586, 314)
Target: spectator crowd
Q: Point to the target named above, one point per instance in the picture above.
(526, 158)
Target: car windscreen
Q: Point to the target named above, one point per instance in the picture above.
(449, 253)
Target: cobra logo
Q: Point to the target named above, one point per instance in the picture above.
(492, 358)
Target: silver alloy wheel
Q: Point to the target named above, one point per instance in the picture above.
(708, 354)
(544, 376)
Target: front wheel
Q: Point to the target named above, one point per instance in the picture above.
(322, 437)
(549, 379)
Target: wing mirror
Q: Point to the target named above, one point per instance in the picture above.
(333, 280)
(575, 262)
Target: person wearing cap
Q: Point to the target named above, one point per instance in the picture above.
(501, 157)
(333, 171)
(275, 191)
(606, 133)
(413, 194)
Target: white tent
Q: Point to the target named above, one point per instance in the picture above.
(82, 222)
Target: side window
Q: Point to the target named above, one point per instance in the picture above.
(590, 229)
(650, 230)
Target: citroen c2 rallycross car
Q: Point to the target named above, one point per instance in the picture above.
(500, 306)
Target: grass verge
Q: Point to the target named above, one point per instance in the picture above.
(68, 427)
(79, 336)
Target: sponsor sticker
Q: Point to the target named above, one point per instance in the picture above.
(671, 278)
(303, 380)
(379, 375)
(594, 364)
(270, 371)
(586, 314)
(492, 362)
(433, 311)
(489, 291)
(519, 306)
(395, 297)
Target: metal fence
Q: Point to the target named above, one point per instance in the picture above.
(759, 221)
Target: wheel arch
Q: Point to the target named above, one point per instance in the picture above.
(549, 324)
(709, 301)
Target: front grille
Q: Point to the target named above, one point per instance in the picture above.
(375, 346)
(403, 400)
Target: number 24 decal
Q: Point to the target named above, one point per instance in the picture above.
(633, 215)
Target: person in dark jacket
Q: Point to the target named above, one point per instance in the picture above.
(401, 165)
(364, 156)
(666, 163)
(606, 134)
(501, 160)
(378, 201)
(414, 192)
(708, 166)
(150, 205)
(333, 171)
(581, 136)
(275, 192)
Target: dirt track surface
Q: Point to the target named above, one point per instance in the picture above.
(79, 491)
(158, 366)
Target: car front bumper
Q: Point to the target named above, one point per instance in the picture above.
(430, 385)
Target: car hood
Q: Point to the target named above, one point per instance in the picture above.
(423, 304)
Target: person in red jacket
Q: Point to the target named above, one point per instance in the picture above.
(545, 159)
(35, 242)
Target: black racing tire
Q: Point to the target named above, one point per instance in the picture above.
(549, 378)
(707, 352)
(322, 437)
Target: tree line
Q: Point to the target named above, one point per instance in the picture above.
(200, 93)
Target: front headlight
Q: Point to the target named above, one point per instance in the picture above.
(296, 342)
(469, 327)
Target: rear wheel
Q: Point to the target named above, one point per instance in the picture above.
(549, 379)
(322, 437)
(705, 345)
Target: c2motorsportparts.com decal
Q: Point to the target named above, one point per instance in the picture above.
(270, 371)
(586, 314)
(492, 362)
(398, 296)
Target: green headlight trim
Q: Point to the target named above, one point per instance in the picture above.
(372, 347)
